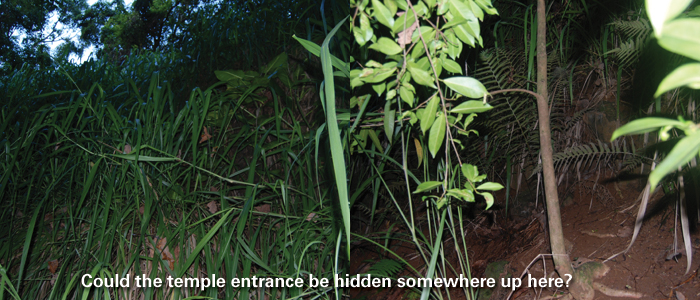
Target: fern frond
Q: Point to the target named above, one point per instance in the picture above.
(578, 116)
(583, 157)
(635, 30)
(638, 33)
(386, 268)
(628, 53)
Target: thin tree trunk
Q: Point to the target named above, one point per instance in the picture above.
(556, 233)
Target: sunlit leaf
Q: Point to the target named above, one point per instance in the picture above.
(428, 115)
(379, 88)
(471, 106)
(386, 46)
(427, 186)
(451, 65)
(681, 154)
(685, 75)
(489, 199)
(382, 14)
(462, 194)
(487, 6)
(643, 126)
(464, 35)
(682, 36)
(406, 95)
(421, 76)
(490, 186)
(662, 11)
(437, 134)
(470, 171)
(466, 86)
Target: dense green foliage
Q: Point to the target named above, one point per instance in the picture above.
(266, 138)
(123, 166)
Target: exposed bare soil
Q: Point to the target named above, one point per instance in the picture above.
(598, 223)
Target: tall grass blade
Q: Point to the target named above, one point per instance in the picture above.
(334, 134)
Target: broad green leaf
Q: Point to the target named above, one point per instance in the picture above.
(391, 94)
(359, 36)
(373, 64)
(490, 186)
(379, 88)
(406, 95)
(682, 36)
(453, 22)
(685, 75)
(442, 7)
(454, 45)
(471, 106)
(476, 10)
(413, 117)
(386, 46)
(364, 23)
(370, 75)
(355, 82)
(466, 86)
(389, 117)
(382, 14)
(489, 199)
(392, 6)
(390, 65)
(402, 4)
(418, 51)
(463, 34)
(662, 11)
(643, 126)
(423, 64)
(427, 117)
(427, 32)
(408, 86)
(468, 120)
(427, 186)
(440, 204)
(470, 171)
(405, 80)
(451, 65)
(404, 21)
(463, 194)
(421, 76)
(437, 134)
(487, 6)
(438, 67)
(686, 149)
(462, 10)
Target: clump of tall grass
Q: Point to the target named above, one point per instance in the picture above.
(104, 183)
